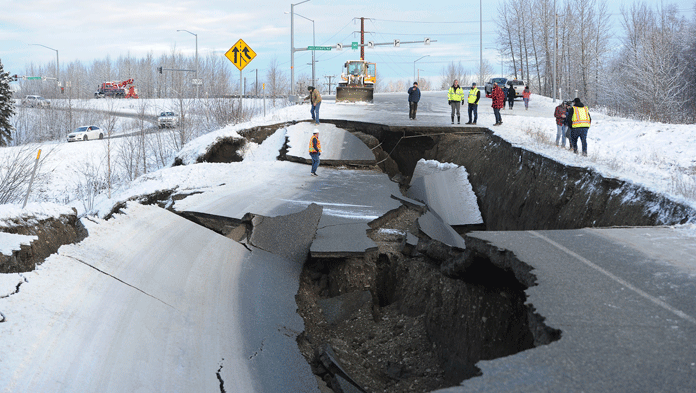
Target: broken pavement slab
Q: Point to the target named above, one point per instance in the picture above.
(163, 313)
(342, 241)
(435, 228)
(445, 188)
(289, 236)
(338, 146)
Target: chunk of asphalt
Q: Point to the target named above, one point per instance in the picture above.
(447, 192)
(435, 228)
(408, 202)
(288, 236)
(408, 246)
(238, 234)
(338, 309)
(345, 386)
(328, 358)
(342, 241)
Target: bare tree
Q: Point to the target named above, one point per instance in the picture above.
(15, 172)
(451, 72)
(276, 79)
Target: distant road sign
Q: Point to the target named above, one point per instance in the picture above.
(354, 45)
(240, 54)
(196, 82)
(318, 48)
(33, 78)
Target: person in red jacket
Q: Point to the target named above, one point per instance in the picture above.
(498, 103)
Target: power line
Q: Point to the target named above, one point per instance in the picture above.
(425, 22)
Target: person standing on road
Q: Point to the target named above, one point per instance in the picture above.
(560, 115)
(474, 97)
(498, 103)
(526, 93)
(579, 120)
(315, 151)
(455, 95)
(315, 99)
(414, 95)
(505, 94)
(512, 93)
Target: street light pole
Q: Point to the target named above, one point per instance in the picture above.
(313, 44)
(414, 66)
(57, 63)
(196, 35)
(555, 50)
(292, 45)
(481, 41)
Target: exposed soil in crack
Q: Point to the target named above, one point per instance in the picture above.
(402, 319)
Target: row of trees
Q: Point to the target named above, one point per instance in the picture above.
(642, 73)
(80, 81)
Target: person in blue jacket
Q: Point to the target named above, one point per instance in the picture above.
(414, 95)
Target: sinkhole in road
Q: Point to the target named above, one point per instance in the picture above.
(413, 315)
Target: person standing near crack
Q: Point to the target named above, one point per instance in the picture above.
(315, 151)
(498, 103)
(315, 100)
(579, 120)
(473, 100)
(414, 96)
(454, 98)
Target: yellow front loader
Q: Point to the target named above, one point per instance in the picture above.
(357, 82)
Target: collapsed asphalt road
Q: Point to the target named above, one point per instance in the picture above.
(401, 305)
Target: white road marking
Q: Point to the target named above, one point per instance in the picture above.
(619, 280)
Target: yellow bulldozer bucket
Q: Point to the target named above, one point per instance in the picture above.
(354, 94)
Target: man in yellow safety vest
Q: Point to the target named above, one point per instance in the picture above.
(474, 97)
(578, 119)
(315, 151)
(455, 95)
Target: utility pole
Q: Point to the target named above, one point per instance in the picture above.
(362, 38)
(329, 77)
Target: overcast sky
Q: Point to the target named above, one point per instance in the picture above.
(87, 30)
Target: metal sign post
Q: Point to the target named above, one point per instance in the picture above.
(31, 181)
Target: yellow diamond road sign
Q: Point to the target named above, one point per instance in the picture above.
(240, 54)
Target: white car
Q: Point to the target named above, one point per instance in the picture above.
(519, 87)
(36, 101)
(168, 119)
(86, 133)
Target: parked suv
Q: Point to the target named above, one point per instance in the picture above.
(36, 101)
(488, 88)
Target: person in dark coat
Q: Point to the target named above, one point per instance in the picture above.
(511, 94)
(414, 95)
(498, 103)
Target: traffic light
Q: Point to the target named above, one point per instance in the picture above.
(159, 69)
(14, 78)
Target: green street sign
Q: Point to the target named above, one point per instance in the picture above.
(34, 78)
(318, 48)
(354, 45)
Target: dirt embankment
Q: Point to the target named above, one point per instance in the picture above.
(52, 233)
(520, 190)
